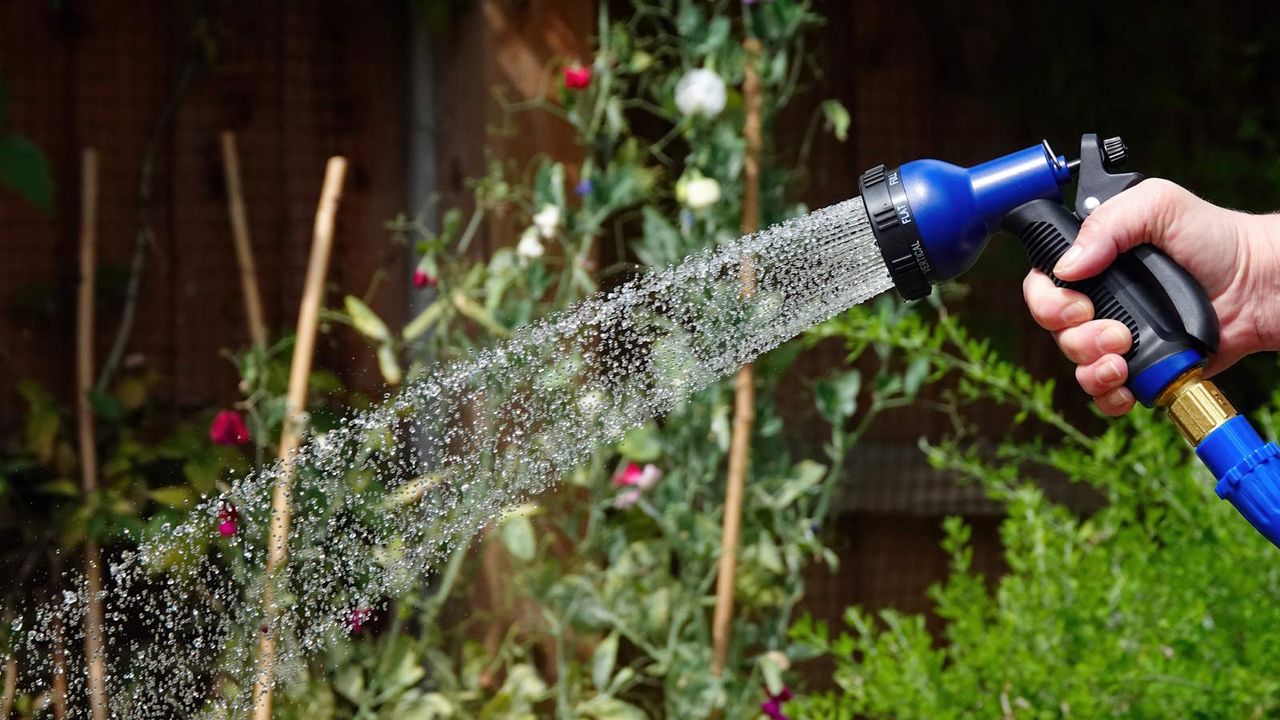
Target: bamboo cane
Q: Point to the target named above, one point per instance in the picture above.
(240, 233)
(299, 375)
(744, 400)
(94, 650)
(10, 687)
(58, 688)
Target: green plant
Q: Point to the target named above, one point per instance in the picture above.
(23, 167)
(1160, 604)
(596, 600)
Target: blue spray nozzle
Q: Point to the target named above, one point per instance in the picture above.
(932, 219)
(957, 209)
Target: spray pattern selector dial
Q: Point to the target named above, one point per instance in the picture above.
(1174, 326)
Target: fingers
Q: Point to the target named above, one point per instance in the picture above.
(1103, 375)
(1095, 346)
(1085, 344)
(1054, 308)
(1143, 213)
(1115, 403)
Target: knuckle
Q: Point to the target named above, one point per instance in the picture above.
(1075, 344)
(1088, 380)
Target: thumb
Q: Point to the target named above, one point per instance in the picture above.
(1143, 213)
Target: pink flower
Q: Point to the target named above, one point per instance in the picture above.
(627, 498)
(228, 428)
(577, 77)
(640, 477)
(227, 517)
(358, 618)
(636, 480)
(422, 280)
(773, 707)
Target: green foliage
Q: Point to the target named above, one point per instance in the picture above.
(601, 595)
(23, 167)
(1160, 604)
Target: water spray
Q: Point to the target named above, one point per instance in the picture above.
(932, 219)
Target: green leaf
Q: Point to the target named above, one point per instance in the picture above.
(173, 496)
(915, 376)
(350, 683)
(398, 670)
(26, 171)
(838, 119)
(42, 421)
(769, 555)
(772, 674)
(425, 320)
(661, 244)
(105, 406)
(517, 535)
(837, 397)
(388, 365)
(602, 661)
(642, 444)
(61, 487)
(366, 321)
(603, 707)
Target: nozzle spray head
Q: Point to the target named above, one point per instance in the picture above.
(932, 219)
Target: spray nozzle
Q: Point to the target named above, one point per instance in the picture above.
(932, 219)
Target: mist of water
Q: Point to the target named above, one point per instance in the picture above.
(373, 513)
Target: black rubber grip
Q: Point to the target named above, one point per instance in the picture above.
(1162, 319)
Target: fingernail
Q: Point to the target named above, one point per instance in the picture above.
(1109, 372)
(1077, 312)
(1069, 259)
(1122, 396)
(1114, 339)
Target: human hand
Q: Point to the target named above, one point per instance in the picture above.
(1232, 254)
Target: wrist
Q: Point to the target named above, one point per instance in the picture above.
(1259, 241)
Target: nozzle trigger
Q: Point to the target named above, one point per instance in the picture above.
(1096, 183)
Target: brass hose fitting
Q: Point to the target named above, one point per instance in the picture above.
(1196, 405)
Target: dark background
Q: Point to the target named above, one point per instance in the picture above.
(1191, 86)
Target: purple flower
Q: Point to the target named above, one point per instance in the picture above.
(228, 428)
(773, 706)
(227, 519)
(356, 622)
(583, 188)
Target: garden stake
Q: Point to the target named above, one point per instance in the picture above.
(744, 395)
(94, 651)
(58, 688)
(932, 219)
(10, 686)
(296, 405)
(244, 248)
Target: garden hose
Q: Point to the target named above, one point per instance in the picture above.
(932, 219)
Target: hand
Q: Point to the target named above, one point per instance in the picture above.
(1232, 254)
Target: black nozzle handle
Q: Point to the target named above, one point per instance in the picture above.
(1164, 308)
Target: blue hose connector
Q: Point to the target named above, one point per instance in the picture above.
(1248, 473)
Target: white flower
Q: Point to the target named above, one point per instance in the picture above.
(698, 192)
(530, 246)
(700, 92)
(547, 221)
